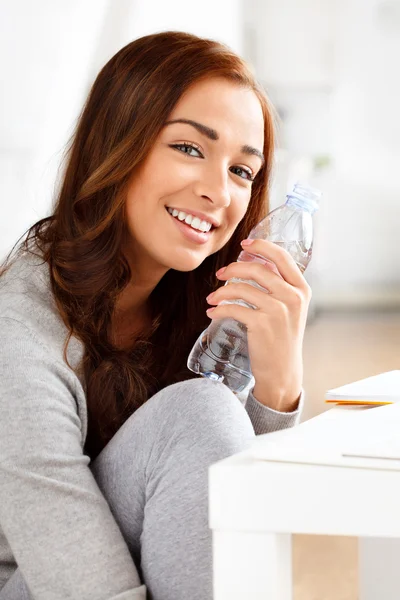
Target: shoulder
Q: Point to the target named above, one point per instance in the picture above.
(25, 282)
(28, 304)
(33, 336)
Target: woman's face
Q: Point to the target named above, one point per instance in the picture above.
(202, 165)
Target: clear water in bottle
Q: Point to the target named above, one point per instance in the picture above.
(221, 351)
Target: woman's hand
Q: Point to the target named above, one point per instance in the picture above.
(275, 330)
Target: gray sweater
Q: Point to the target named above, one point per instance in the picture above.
(55, 524)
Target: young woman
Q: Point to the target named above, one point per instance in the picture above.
(105, 435)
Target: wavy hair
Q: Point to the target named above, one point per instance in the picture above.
(81, 241)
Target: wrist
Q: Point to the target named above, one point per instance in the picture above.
(279, 401)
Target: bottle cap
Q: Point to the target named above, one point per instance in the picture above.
(305, 196)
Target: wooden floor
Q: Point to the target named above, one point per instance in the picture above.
(338, 349)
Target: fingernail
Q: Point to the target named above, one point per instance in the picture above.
(210, 309)
(246, 242)
(220, 271)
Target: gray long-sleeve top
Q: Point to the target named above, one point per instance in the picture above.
(55, 524)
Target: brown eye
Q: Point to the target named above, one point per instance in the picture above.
(187, 149)
(243, 173)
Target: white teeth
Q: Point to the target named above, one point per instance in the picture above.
(194, 222)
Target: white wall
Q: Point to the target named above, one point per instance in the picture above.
(50, 52)
(332, 69)
(46, 49)
(360, 220)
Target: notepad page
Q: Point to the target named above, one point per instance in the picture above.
(369, 433)
(382, 387)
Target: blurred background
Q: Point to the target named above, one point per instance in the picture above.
(329, 66)
(331, 69)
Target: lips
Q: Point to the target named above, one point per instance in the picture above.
(198, 237)
(201, 216)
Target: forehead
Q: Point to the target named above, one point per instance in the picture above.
(232, 110)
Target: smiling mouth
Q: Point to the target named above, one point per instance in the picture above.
(192, 235)
(188, 225)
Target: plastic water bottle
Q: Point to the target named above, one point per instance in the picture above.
(221, 351)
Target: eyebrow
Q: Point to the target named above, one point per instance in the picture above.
(213, 135)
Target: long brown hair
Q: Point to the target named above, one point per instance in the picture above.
(81, 241)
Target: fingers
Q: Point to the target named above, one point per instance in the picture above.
(240, 291)
(291, 297)
(240, 313)
(267, 279)
(284, 262)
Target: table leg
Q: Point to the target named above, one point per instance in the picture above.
(252, 566)
(379, 568)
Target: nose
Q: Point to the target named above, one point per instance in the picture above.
(214, 186)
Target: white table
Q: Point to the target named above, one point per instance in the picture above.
(256, 505)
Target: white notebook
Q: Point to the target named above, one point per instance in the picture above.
(347, 436)
(377, 390)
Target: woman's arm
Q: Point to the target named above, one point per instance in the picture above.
(57, 522)
(266, 420)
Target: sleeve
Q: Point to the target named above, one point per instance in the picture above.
(266, 420)
(58, 524)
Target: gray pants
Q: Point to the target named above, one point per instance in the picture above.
(154, 475)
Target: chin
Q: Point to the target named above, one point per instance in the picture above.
(186, 264)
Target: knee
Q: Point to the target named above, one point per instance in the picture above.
(205, 413)
(202, 397)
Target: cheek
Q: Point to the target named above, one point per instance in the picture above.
(238, 210)
(236, 214)
(240, 205)
(182, 175)
(164, 177)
